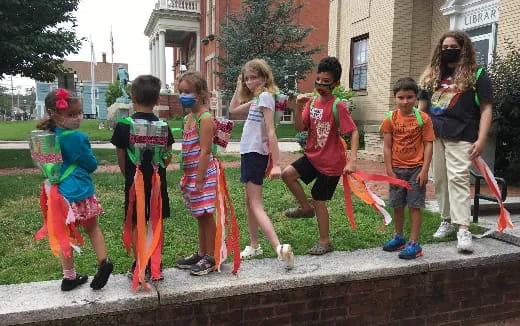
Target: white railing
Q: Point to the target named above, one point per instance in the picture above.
(183, 5)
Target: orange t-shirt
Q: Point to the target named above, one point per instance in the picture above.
(408, 138)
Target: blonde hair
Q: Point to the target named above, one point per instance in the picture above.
(199, 83)
(262, 70)
(464, 73)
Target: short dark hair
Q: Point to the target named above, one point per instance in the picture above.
(145, 90)
(332, 65)
(406, 84)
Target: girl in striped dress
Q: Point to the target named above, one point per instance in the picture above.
(199, 182)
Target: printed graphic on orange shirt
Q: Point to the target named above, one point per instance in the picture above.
(445, 97)
(322, 133)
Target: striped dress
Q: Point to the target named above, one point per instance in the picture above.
(197, 202)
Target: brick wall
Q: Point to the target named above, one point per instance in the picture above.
(469, 296)
(509, 11)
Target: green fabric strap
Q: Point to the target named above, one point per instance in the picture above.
(71, 167)
(479, 71)
(418, 117)
(416, 112)
(334, 109)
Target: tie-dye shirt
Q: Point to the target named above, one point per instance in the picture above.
(454, 113)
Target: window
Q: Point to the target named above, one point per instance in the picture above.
(359, 63)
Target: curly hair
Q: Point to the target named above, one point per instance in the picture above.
(199, 83)
(261, 68)
(464, 73)
(48, 122)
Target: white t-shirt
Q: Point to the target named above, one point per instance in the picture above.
(254, 135)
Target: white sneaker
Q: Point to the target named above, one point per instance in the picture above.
(250, 252)
(464, 240)
(286, 254)
(445, 229)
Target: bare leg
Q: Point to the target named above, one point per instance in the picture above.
(251, 223)
(290, 177)
(207, 224)
(415, 221)
(254, 195)
(399, 220)
(97, 240)
(202, 240)
(323, 221)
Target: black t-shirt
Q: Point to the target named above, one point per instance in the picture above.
(454, 113)
(121, 139)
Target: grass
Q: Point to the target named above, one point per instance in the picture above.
(19, 130)
(21, 158)
(23, 260)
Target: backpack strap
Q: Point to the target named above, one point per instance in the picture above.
(418, 117)
(197, 119)
(335, 111)
(477, 76)
(71, 167)
(416, 112)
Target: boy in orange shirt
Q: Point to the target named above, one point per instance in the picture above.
(408, 144)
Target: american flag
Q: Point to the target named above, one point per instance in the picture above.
(112, 40)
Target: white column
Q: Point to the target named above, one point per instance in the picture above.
(154, 60)
(162, 60)
(150, 47)
(197, 56)
(157, 71)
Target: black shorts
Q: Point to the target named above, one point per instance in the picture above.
(325, 185)
(252, 167)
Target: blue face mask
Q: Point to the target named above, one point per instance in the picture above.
(187, 100)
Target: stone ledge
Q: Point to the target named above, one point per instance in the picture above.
(43, 301)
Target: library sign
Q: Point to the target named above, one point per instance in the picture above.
(480, 18)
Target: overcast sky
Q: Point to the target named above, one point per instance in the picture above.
(128, 20)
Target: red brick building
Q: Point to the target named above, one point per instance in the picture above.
(190, 26)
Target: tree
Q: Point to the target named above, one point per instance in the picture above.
(265, 29)
(36, 36)
(505, 74)
(114, 91)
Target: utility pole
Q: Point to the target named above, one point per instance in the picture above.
(12, 95)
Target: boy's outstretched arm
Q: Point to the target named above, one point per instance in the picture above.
(352, 158)
(422, 178)
(121, 159)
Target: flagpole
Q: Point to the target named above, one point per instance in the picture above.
(93, 78)
(112, 51)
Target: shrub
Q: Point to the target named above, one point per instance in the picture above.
(505, 74)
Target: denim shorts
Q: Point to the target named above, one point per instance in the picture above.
(252, 167)
(400, 196)
(325, 185)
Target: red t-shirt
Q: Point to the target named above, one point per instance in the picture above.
(324, 148)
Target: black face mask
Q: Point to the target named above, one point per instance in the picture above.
(450, 55)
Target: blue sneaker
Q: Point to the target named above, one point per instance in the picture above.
(411, 251)
(397, 243)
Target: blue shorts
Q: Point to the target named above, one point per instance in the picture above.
(252, 167)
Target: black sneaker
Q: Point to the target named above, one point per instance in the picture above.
(187, 262)
(204, 266)
(101, 278)
(67, 284)
(148, 273)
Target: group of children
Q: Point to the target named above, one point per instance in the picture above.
(408, 136)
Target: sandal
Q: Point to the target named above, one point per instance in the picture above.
(320, 249)
(250, 252)
(298, 212)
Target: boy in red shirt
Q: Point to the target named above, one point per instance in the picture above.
(324, 157)
(408, 144)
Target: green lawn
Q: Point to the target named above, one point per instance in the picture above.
(20, 158)
(23, 260)
(19, 130)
